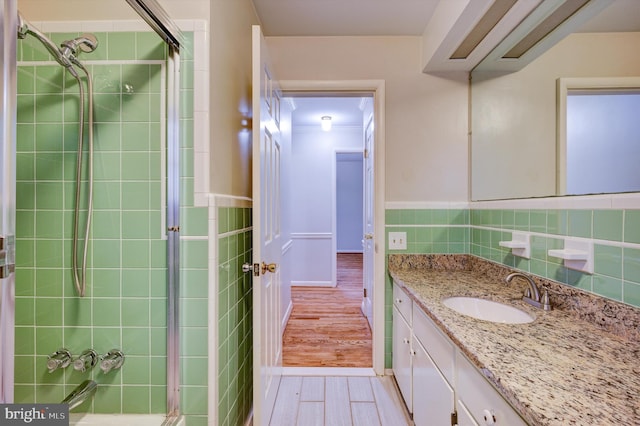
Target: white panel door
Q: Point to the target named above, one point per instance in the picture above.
(267, 246)
(367, 272)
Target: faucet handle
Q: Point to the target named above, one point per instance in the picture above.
(58, 359)
(87, 359)
(546, 304)
(112, 360)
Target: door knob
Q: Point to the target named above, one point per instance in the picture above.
(271, 267)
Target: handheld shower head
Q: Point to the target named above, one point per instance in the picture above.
(70, 49)
(86, 43)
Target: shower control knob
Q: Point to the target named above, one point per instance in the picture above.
(113, 360)
(59, 359)
(87, 360)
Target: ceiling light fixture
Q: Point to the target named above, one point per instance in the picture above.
(326, 122)
(489, 20)
(549, 24)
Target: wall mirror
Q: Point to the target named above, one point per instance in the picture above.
(517, 145)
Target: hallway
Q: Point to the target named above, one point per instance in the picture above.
(327, 327)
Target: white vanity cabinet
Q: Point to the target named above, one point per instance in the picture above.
(401, 344)
(437, 382)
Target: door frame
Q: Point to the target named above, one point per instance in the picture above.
(377, 89)
(334, 195)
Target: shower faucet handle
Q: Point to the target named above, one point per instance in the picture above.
(112, 360)
(87, 360)
(58, 359)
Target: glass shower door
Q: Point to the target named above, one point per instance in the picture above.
(8, 31)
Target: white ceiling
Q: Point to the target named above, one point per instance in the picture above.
(381, 17)
(344, 111)
(344, 17)
(392, 17)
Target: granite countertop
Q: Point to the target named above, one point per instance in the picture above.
(564, 368)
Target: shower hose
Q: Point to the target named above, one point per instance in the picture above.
(80, 266)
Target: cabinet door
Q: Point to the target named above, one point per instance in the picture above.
(485, 404)
(433, 398)
(464, 417)
(401, 356)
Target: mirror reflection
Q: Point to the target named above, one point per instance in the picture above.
(515, 120)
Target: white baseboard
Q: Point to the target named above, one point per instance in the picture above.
(312, 284)
(328, 371)
(287, 315)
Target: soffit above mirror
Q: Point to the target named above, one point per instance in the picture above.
(500, 35)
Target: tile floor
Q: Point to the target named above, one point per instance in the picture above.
(337, 401)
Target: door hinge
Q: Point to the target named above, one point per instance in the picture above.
(365, 292)
(366, 153)
(454, 418)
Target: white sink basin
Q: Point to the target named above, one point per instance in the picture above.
(487, 310)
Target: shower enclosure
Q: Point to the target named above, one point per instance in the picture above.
(133, 240)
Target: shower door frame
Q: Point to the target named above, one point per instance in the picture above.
(8, 46)
(158, 19)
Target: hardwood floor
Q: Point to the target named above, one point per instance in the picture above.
(331, 401)
(327, 327)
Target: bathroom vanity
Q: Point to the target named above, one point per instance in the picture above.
(576, 364)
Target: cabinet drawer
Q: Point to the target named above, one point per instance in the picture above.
(480, 398)
(403, 302)
(439, 347)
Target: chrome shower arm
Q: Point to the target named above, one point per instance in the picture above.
(25, 28)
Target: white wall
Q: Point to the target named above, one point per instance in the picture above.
(230, 31)
(349, 202)
(426, 115)
(98, 10)
(312, 201)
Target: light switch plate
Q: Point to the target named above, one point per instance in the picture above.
(397, 240)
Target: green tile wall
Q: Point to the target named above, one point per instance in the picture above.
(428, 231)
(477, 231)
(235, 341)
(616, 246)
(125, 305)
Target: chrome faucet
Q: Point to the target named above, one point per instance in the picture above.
(80, 394)
(532, 294)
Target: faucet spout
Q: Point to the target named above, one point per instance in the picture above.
(532, 294)
(80, 394)
(533, 288)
